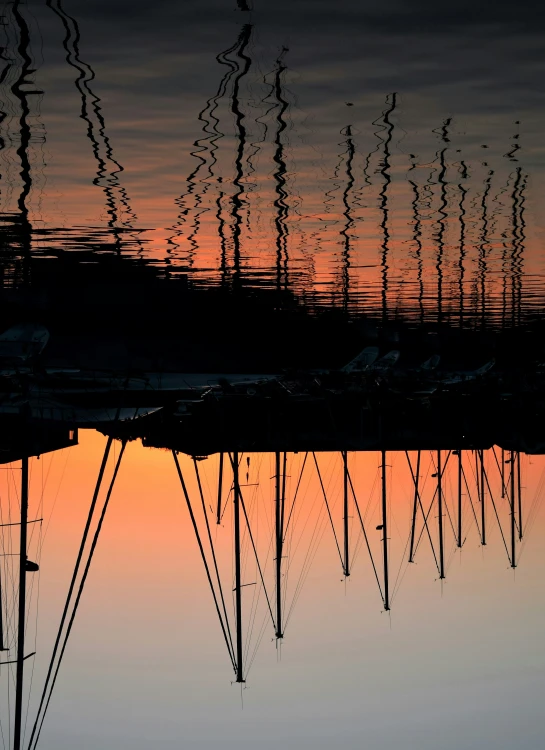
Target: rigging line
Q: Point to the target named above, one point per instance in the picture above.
(445, 503)
(471, 500)
(309, 558)
(317, 534)
(432, 500)
(255, 551)
(295, 495)
(229, 493)
(496, 513)
(504, 486)
(72, 582)
(327, 506)
(81, 587)
(396, 585)
(31, 682)
(365, 536)
(203, 556)
(532, 513)
(197, 474)
(424, 516)
(292, 549)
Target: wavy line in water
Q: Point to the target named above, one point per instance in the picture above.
(279, 175)
(107, 177)
(347, 213)
(383, 196)
(241, 135)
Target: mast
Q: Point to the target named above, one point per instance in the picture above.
(279, 513)
(238, 582)
(512, 503)
(385, 533)
(440, 517)
(346, 564)
(2, 646)
(459, 540)
(220, 488)
(503, 472)
(21, 94)
(483, 519)
(519, 490)
(21, 606)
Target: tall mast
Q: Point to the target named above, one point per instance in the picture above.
(503, 472)
(440, 517)
(220, 489)
(2, 646)
(23, 153)
(459, 540)
(483, 504)
(238, 582)
(22, 606)
(346, 564)
(279, 513)
(519, 490)
(385, 533)
(512, 503)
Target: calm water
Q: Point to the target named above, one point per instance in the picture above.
(258, 191)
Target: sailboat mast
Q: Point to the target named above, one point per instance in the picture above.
(503, 472)
(2, 646)
(512, 502)
(21, 607)
(459, 540)
(220, 489)
(440, 517)
(238, 581)
(385, 534)
(519, 491)
(345, 510)
(483, 504)
(279, 544)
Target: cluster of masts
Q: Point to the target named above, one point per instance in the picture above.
(487, 485)
(476, 494)
(454, 268)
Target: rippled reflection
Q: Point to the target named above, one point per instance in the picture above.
(395, 227)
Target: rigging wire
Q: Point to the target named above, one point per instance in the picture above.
(365, 536)
(72, 584)
(203, 556)
(79, 594)
(197, 474)
(327, 506)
